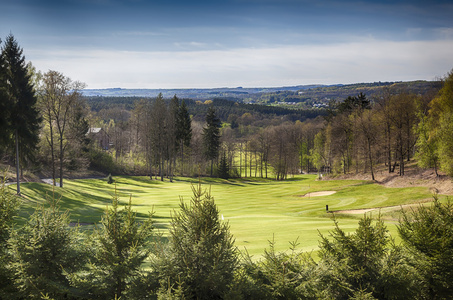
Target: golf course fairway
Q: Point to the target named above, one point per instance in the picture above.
(257, 210)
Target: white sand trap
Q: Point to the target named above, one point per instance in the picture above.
(317, 194)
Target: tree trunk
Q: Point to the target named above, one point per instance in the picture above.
(245, 161)
(61, 161)
(240, 161)
(52, 155)
(261, 165)
(182, 159)
(256, 166)
(371, 161)
(17, 163)
(212, 163)
(389, 151)
(250, 167)
(161, 169)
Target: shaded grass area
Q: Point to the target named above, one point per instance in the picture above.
(257, 210)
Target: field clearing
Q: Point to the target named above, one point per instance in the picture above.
(257, 210)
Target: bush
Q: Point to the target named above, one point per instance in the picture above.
(110, 179)
(103, 162)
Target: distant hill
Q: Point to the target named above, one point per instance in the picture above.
(196, 94)
(301, 96)
(285, 103)
(320, 96)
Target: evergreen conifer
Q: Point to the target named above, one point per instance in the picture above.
(120, 246)
(201, 258)
(22, 115)
(211, 136)
(224, 167)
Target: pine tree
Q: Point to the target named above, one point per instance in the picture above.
(45, 251)
(224, 167)
(158, 133)
(183, 130)
(172, 140)
(428, 233)
(363, 262)
(211, 136)
(4, 107)
(201, 258)
(120, 246)
(8, 208)
(23, 117)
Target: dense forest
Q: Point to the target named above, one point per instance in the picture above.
(49, 127)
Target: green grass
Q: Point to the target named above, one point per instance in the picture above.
(257, 210)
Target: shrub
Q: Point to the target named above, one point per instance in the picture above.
(110, 179)
(102, 161)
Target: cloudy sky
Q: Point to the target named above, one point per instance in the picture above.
(230, 43)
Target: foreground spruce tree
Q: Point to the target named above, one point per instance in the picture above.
(119, 247)
(428, 233)
(201, 258)
(278, 275)
(362, 265)
(44, 252)
(8, 207)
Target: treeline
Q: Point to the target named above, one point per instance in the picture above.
(223, 107)
(307, 97)
(352, 135)
(393, 129)
(252, 144)
(121, 258)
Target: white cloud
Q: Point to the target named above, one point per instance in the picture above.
(366, 61)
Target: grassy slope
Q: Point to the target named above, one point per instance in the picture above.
(257, 210)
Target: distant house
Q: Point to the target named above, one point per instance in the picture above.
(100, 136)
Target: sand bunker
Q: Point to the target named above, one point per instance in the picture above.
(317, 194)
